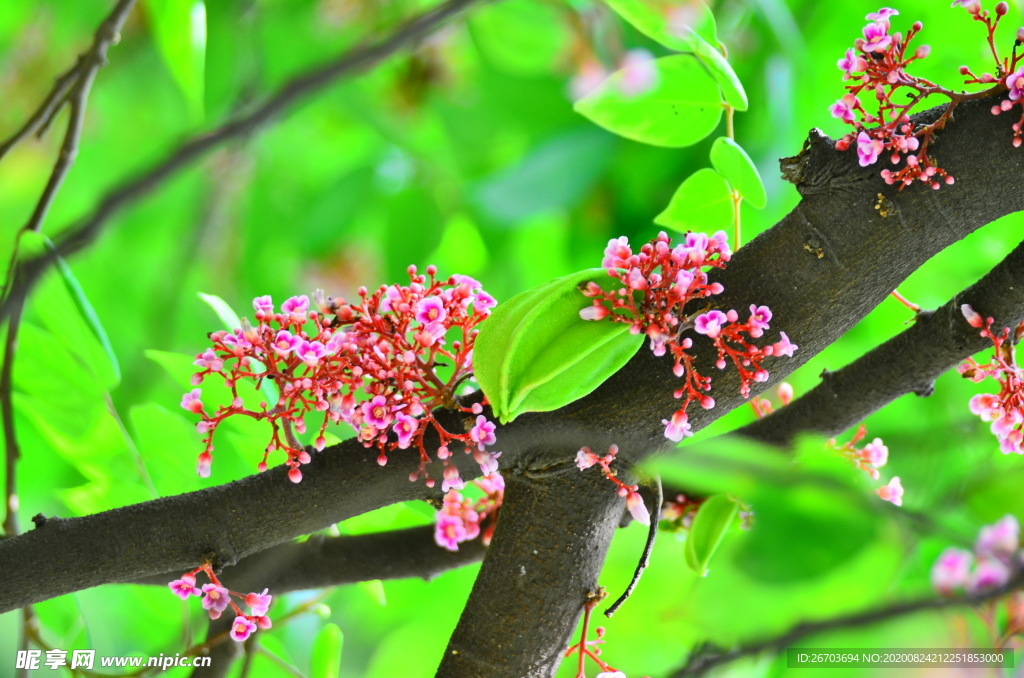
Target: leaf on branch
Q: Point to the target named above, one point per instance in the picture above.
(535, 354)
(683, 106)
(714, 518)
(733, 163)
(179, 28)
(702, 203)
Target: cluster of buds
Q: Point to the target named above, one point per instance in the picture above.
(677, 514)
(461, 519)
(763, 407)
(657, 284)
(877, 66)
(634, 502)
(217, 598)
(381, 366)
(996, 558)
(869, 459)
(1005, 409)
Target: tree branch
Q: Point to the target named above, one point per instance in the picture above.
(355, 61)
(548, 548)
(815, 300)
(908, 363)
(708, 658)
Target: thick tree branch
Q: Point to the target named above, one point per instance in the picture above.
(815, 300)
(908, 363)
(708, 658)
(550, 543)
(355, 61)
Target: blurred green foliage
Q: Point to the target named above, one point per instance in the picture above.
(467, 154)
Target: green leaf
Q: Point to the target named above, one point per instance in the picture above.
(667, 21)
(232, 322)
(682, 108)
(87, 312)
(703, 202)
(688, 29)
(713, 519)
(535, 354)
(325, 656)
(735, 165)
(179, 28)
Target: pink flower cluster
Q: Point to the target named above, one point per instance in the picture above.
(634, 502)
(381, 366)
(1004, 409)
(460, 519)
(877, 65)
(996, 558)
(869, 459)
(656, 284)
(216, 598)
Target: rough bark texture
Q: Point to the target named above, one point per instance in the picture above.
(849, 242)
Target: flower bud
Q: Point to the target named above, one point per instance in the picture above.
(1002, 8)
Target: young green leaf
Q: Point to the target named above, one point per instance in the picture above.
(721, 71)
(535, 354)
(86, 310)
(703, 202)
(668, 21)
(683, 107)
(735, 165)
(713, 519)
(179, 28)
(325, 657)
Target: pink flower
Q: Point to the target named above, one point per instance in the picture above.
(710, 323)
(296, 307)
(635, 279)
(451, 480)
(785, 392)
(974, 318)
(191, 402)
(430, 309)
(585, 458)
(875, 453)
(637, 509)
(209, 360)
(595, 312)
(759, 317)
(784, 346)
(483, 432)
(951, 571)
(264, 304)
(216, 599)
(868, 149)
(259, 603)
(882, 15)
(678, 428)
(285, 342)
(184, 587)
(1015, 83)
(617, 254)
(405, 427)
(845, 108)
(986, 405)
(203, 464)
(484, 302)
(852, 63)
(989, 573)
(893, 492)
(449, 530)
(876, 36)
(242, 628)
(377, 413)
(972, 6)
(1001, 539)
(610, 674)
(310, 352)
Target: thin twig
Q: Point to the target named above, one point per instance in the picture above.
(645, 557)
(708, 658)
(353, 62)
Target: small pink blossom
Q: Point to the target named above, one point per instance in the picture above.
(483, 432)
(845, 109)
(678, 427)
(259, 603)
(430, 310)
(184, 587)
(636, 507)
(868, 149)
(989, 573)
(759, 318)
(595, 312)
(876, 36)
(1001, 539)
(191, 402)
(405, 427)
(377, 413)
(310, 352)
(893, 492)
(242, 628)
(296, 307)
(882, 15)
(785, 393)
(209, 360)
(875, 453)
(1015, 83)
(617, 254)
(203, 464)
(852, 63)
(585, 458)
(264, 305)
(285, 342)
(216, 599)
(784, 346)
(951, 571)
(449, 531)
(710, 323)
